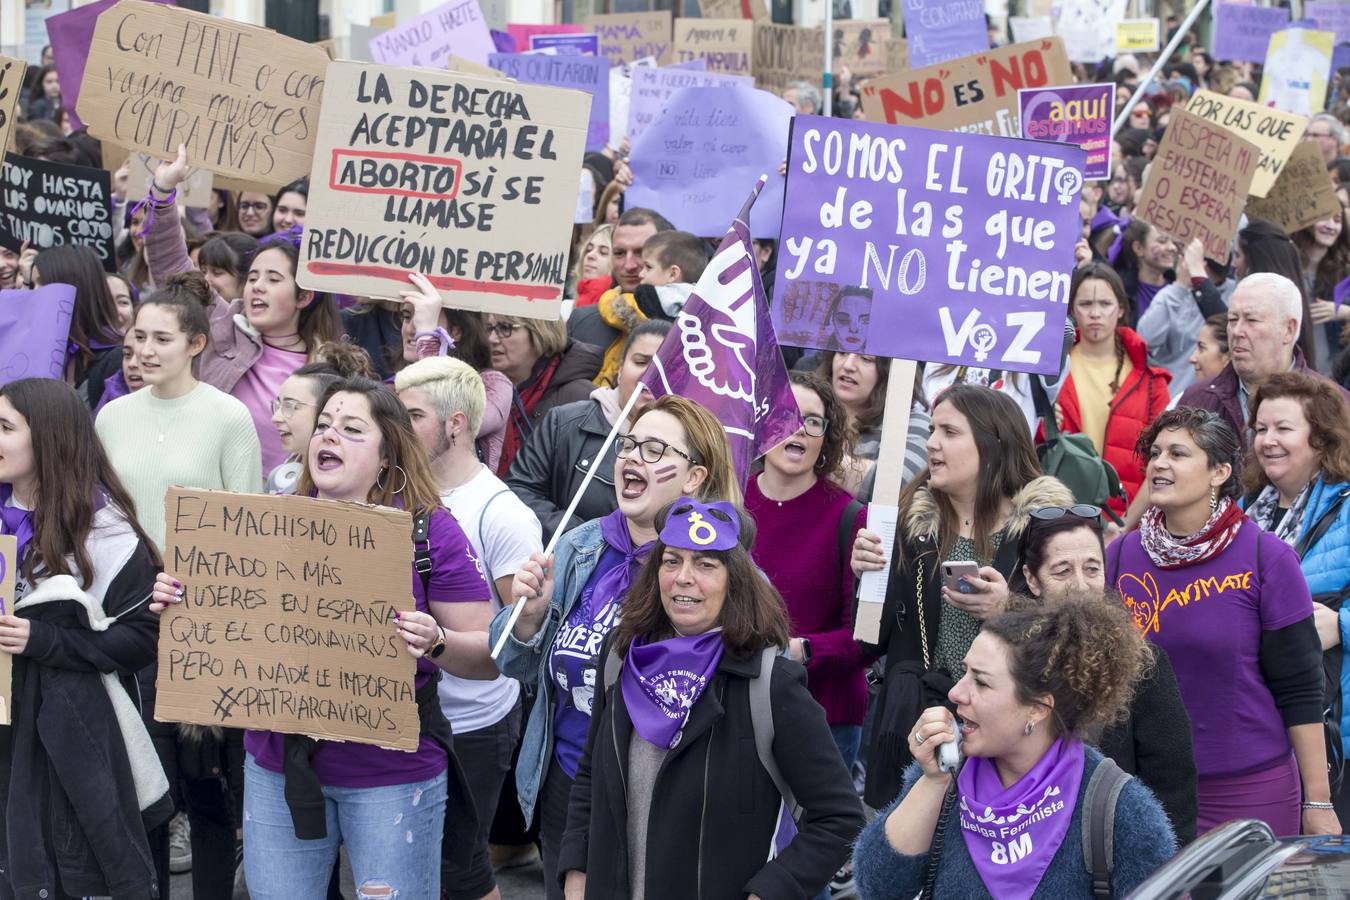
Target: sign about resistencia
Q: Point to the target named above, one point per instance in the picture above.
(1079, 114)
(925, 245)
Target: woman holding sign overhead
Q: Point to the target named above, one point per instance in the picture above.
(81, 633)
(572, 600)
(303, 797)
(257, 341)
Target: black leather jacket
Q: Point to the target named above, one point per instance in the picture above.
(549, 468)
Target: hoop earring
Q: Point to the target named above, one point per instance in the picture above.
(400, 487)
(1213, 499)
(1028, 728)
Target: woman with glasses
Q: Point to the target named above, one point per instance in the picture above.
(255, 214)
(572, 600)
(806, 526)
(546, 368)
(1062, 552)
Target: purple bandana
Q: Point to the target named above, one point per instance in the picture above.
(1013, 833)
(662, 682)
(15, 521)
(614, 583)
(693, 525)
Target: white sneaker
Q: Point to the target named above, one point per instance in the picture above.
(180, 845)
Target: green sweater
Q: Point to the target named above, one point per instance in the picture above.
(204, 439)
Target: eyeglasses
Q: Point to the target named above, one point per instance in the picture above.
(1318, 134)
(503, 330)
(287, 406)
(253, 207)
(1078, 510)
(652, 449)
(814, 425)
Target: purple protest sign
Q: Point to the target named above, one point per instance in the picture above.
(653, 88)
(1242, 33)
(722, 352)
(34, 328)
(586, 73)
(583, 44)
(455, 28)
(927, 245)
(1340, 292)
(70, 34)
(1080, 115)
(521, 34)
(696, 158)
(1340, 57)
(939, 30)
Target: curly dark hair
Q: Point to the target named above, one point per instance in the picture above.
(835, 439)
(1211, 433)
(754, 615)
(1083, 651)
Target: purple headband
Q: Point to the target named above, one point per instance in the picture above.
(693, 525)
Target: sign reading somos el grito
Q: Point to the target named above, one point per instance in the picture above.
(925, 245)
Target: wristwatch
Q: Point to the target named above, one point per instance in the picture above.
(806, 650)
(438, 646)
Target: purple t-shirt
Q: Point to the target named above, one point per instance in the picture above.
(1143, 297)
(1209, 618)
(573, 661)
(456, 577)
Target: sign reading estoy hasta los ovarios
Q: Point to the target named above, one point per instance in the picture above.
(468, 180)
(52, 204)
(916, 244)
(244, 101)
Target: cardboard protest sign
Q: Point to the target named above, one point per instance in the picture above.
(925, 245)
(725, 44)
(460, 64)
(1138, 35)
(70, 34)
(585, 73)
(194, 192)
(897, 55)
(9, 564)
(757, 10)
(244, 100)
(1077, 114)
(456, 27)
(1333, 17)
(1303, 194)
(695, 160)
(861, 46)
(1030, 28)
(1198, 182)
(653, 88)
(582, 44)
(939, 30)
(1275, 133)
(627, 37)
(11, 85)
(480, 203)
(1242, 33)
(972, 94)
(1088, 28)
(1340, 57)
(287, 619)
(34, 329)
(52, 204)
(1298, 67)
(784, 54)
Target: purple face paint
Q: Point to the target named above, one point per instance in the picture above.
(665, 473)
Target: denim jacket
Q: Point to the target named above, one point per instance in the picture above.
(576, 557)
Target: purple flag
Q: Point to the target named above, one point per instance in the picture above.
(34, 328)
(1340, 292)
(723, 354)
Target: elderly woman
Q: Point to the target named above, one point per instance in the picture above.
(546, 368)
(672, 798)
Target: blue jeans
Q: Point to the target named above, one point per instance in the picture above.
(393, 838)
(848, 738)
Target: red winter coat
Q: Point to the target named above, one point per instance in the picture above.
(1140, 398)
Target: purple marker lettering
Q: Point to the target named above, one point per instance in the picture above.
(665, 473)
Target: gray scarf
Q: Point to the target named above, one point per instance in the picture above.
(1265, 509)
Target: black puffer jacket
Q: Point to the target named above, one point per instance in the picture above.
(548, 470)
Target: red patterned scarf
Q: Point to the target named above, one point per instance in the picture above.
(518, 427)
(1171, 552)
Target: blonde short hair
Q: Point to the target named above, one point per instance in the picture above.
(451, 386)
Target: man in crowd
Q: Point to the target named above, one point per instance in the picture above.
(634, 227)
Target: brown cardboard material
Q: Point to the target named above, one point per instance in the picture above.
(784, 54)
(863, 46)
(287, 619)
(1274, 131)
(9, 563)
(113, 156)
(488, 219)
(975, 94)
(726, 44)
(11, 85)
(758, 10)
(244, 100)
(897, 55)
(1198, 182)
(195, 191)
(1303, 194)
(626, 37)
(469, 67)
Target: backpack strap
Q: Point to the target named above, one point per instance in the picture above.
(482, 514)
(421, 535)
(761, 720)
(846, 521)
(1323, 524)
(1099, 823)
